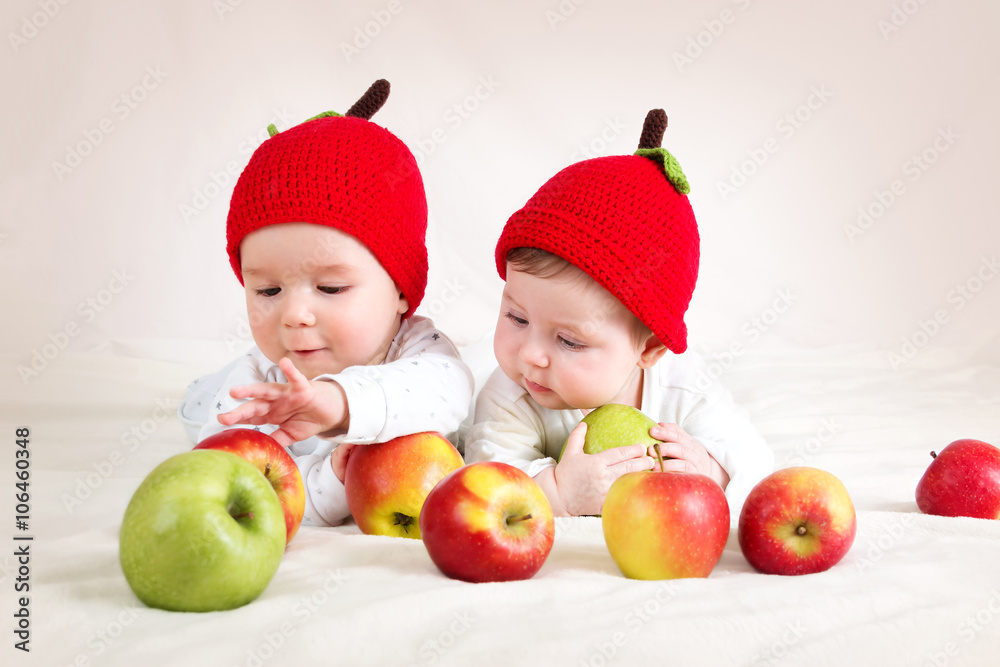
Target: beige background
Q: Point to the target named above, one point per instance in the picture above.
(121, 247)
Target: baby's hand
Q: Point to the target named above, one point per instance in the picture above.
(338, 459)
(300, 408)
(688, 455)
(583, 479)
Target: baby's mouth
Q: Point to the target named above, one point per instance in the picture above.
(307, 353)
(534, 386)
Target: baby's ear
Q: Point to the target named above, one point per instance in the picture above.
(651, 352)
(404, 303)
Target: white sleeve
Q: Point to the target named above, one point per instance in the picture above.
(506, 428)
(326, 502)
(425, 387)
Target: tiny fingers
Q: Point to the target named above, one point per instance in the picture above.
(619, 454)
(294, 376)
(676, 465)
(261, 390)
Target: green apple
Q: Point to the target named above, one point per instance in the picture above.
(615, 425)
(204, 531)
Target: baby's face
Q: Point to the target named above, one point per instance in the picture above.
(567, 341)
(318, 296)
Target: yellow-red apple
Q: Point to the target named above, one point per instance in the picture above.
(386, 483)
(963, 480)
(274, 461)
(665, 525)
(487, 521)
(797, 521)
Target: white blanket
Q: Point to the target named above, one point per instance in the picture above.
(914, 590)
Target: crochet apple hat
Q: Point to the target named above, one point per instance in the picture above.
(345, 172)
(626, 221)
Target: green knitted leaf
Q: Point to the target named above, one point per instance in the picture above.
(325, 114)
(272, 130)
(671, 168)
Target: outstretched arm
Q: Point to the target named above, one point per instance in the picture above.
(300, 408)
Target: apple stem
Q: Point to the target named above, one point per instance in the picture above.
(659, 457)
(518, 519)
(267, 470)
(801, 529)
(933, 455)
(404, 520)
(245, 515)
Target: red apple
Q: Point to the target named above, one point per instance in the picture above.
(963, 480)
(386, 483)
(665, 525)
(797, 521)
(487, 521)
(274, 461)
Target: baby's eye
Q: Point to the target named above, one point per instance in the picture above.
(568, 344)
(268, 291)
(518, 321)
(330, 289)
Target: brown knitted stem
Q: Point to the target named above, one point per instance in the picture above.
(371, 101)
(653, 129)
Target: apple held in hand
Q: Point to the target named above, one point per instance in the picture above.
(386, 483)
(797, 521)
(271, 459)
(488, 521)
(665, 525)
(615, 425)
(203, 532)
(963, 480)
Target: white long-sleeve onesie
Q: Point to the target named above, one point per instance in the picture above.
(423, 385)
(511, 427)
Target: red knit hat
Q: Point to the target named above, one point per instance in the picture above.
(344, 172)
(625, 221)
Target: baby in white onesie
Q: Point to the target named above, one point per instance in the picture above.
(600, 266)
(326, 232)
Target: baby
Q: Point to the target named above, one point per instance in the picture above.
(600, 266)
(326, 232)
